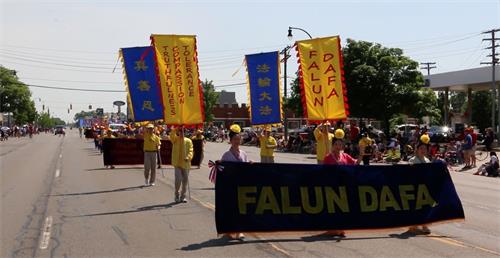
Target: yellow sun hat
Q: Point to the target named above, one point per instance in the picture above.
(425, 139)
(339, 134)
(235, 128)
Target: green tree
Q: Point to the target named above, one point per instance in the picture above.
(458, 102)
(45, 121)
(481, 109)
(294, 103)
(209, 99)
(426, 104)
(83, 114)
(16, 97)
(381, 81)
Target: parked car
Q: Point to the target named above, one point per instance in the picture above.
(440, 134)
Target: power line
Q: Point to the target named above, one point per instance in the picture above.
(53, 80)
(111, 91)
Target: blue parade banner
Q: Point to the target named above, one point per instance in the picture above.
(142, 83)
(264, 88)
(261, 197)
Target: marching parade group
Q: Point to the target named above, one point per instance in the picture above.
(330, 150)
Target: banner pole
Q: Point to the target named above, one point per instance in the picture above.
(187, 174)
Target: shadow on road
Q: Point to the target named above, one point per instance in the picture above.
(225, 241)
(100, 192)
(205, 189)
(119, 168)
(141, 209)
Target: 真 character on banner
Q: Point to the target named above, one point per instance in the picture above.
(152, 144)
(323, 141)
(182, 153)
(267, 146)
(235, 154)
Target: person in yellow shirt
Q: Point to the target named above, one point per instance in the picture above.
(323, 141)
(365, 148)
(267, 146)
(199, 136)
(393, 154)
(151, 146)
(182, 153)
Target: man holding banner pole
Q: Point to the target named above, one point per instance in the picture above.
(323, 141)
(182, 153)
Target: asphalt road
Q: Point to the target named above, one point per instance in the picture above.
(58, 200)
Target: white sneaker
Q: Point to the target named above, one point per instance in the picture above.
(152, 184)
(184, 200)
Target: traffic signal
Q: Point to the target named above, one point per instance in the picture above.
(71, 106)
(43, 107)
(90, 106)
(68, 110)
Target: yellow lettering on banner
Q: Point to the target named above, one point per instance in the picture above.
(140, 66)
(364, 192)
(387, 200)
(267, 201)
(264, 82)
(147, 105)
(244, 199)
(424, 197)
(263, 68)
(144, 85)
(405, 197)
(285, 202)
(265, 110)
(306, 203)
(333, 198)
(264, 96)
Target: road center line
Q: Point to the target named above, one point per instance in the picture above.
(58, 173)
(45, 237)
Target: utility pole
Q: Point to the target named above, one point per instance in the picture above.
(428, 66)
(285, 61)
(493, 62)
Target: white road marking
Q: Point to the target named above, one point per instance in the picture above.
(45, 237)
(58, 173)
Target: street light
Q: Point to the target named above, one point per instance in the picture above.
(290, 36)
(285, 59)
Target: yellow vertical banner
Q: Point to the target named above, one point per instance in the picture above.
(178, 76)
(321, 75)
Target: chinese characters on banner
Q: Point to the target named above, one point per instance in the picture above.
(323, 90)
(144, 93)
(264, 88)
(179, 79)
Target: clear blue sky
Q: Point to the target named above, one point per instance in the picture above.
(81, 34)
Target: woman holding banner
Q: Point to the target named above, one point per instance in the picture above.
(420, 158)
(234, 154)
(338, 157)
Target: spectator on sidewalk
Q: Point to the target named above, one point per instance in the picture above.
(199, 136)
(490, 168)
(365, 148)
